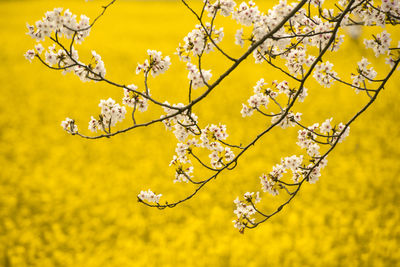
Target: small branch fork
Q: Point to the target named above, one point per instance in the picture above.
(186, 110)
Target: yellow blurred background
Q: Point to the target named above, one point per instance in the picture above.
(65, 201)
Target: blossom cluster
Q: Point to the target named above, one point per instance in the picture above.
(380, 45)
(220, 156)
(393, 56)
(372, 15)
(245, 210)
(197, 78)
(270, 185)
(324, 74)
(69, 125)
(324, 28)
(156, 64)
(183, 125)
(263, 95)
(67, 60)
(296, 59)
(210, 138)
(181, 161)
(225, 6)
(62, 24)
(307, 138)
(363, 74)
(98, 69)
(211, 134)
(196, 42)
(111, 113)
(149, 196)
(314, 31)
(272, 182)
(133, 99)
(288, 121)
(183, 172)
(246, 13)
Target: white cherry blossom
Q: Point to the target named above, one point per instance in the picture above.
(69, 125)
(149, 196)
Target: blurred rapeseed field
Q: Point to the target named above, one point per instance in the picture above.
(65, 201)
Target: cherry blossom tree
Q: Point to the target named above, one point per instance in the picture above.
(293, 38)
